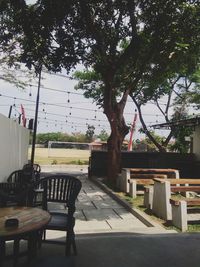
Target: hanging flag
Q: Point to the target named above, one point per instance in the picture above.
(23, 116)
(131, 133)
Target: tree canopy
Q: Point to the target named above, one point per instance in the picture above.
(130, 45)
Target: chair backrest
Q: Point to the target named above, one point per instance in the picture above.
(36, 167)
(32, 170)
(61, 189)
(16, 194)
(16, 177)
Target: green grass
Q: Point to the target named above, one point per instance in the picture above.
(138, 203)
(57, 160)
(193, 228)
(61, 156)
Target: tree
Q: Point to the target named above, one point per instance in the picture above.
(190, 91)
(103, 136)
(181, 132)
(90, 133)
(126, 43)
(173, 89)
(10, 69)
(146, 143)
(44, 138)
(131, 45)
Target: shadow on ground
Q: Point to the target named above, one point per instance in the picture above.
(124, 250)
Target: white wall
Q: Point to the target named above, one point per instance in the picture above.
(14, 141)
(196, 141)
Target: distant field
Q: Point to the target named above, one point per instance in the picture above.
(61, 156)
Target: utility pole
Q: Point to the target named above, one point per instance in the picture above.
(36, 118)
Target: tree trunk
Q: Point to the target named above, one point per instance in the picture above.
(114, 155)
(118, 132)
(114, 111)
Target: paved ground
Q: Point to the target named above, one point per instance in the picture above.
(110, 236)
(97, 212)
(124, 250)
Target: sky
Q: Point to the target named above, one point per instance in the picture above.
(63, 109)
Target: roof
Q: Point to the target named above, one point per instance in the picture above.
(191, 122)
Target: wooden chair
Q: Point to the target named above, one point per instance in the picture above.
(29, 174)
(16, 194)
(61, 189)
(16, 177)
(32, 170)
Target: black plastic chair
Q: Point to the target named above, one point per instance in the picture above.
(61, 189)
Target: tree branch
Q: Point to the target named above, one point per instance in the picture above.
(146, 131)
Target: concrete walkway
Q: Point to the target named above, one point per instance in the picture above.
(107, 235)
(96, 211)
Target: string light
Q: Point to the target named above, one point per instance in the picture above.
(70, 113)
(68, 100)
(14, 105)
(30, 90)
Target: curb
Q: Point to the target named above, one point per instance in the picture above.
(136, 212)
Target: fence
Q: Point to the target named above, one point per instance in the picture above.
(188, 164)
(14, 141)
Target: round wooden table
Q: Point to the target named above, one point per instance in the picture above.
(31, 222)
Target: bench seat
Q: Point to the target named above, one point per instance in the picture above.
(179, 211)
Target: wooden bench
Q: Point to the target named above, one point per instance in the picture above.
(162, 190)
(179, 211)
(129, 174)
(140, 181)
(183, 181)
(171, 173)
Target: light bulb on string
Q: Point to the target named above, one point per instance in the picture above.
(30, 91)
(14, 105)
(70, 112)
(43, 107)
(68, 100)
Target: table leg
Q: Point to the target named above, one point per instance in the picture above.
(2, 251)
(16, 251)
(32, 245)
